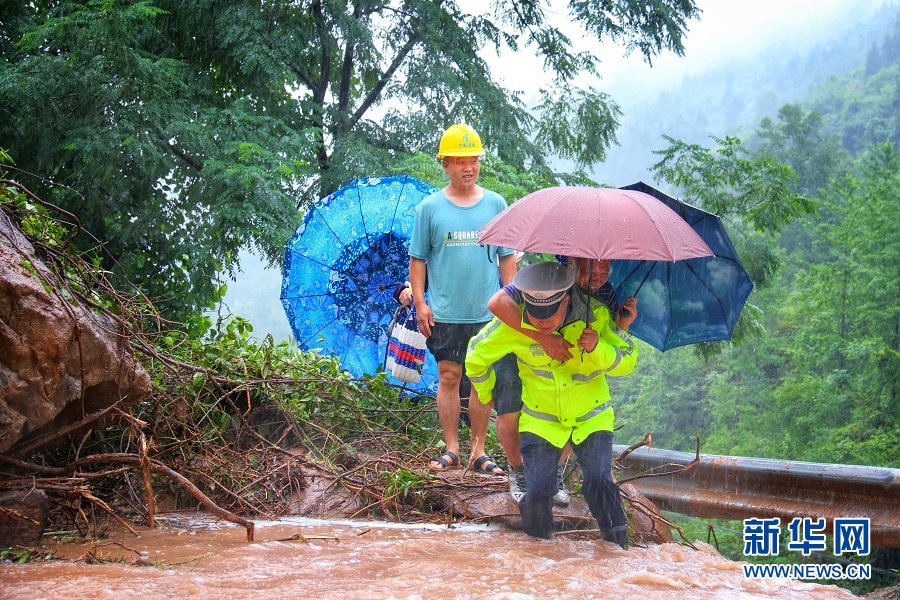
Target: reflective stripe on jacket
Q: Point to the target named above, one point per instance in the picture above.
(561, 399)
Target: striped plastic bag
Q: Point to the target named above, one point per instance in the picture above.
(406, 346)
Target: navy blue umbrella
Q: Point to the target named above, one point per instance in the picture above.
(687, 301)
(341, 268)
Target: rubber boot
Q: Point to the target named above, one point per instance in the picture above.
(616, 535)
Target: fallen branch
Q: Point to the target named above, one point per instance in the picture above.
(64, 430)
(681, 468)
(647, 440)
(105, 508)
(655, 517)
(13, 513)
(203, 498)
(575, 532)
(148, 487)
(134, 460)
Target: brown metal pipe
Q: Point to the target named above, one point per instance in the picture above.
(737, 488)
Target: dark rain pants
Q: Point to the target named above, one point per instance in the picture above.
(598, 488)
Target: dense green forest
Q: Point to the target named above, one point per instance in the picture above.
(821, 384)
(180, 134)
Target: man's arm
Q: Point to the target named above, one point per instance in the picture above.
(609, 357)
(508, 267)
(616, 350)
(417, 282)
(505, 308)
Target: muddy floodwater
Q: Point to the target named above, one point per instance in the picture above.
(194, 557)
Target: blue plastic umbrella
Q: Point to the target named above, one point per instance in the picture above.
(341, 268)
(687, 301)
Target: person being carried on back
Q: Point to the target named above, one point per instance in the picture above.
(591, 278)
(564, 402)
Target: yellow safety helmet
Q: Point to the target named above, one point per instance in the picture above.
(460, 140)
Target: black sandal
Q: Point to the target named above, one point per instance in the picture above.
(445, 464)
(486, 466)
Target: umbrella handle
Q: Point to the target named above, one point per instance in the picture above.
(587, 322)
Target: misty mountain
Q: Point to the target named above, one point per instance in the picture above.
(731, 99)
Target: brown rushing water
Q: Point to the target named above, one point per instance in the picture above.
(199, 558)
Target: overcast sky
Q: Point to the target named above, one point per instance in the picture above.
(727, 30)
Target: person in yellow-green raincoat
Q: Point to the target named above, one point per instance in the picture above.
(566, 401)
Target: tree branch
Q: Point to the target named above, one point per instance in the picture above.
(134, 460)
(45, 439)
(321, 87)
(383, 81)
(347, 66)
(196, 164)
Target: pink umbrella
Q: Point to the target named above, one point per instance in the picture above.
(592, 222)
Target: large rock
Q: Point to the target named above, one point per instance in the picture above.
(23, 517)
(59, 361)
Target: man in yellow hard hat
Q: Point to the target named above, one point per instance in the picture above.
(462, 276)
